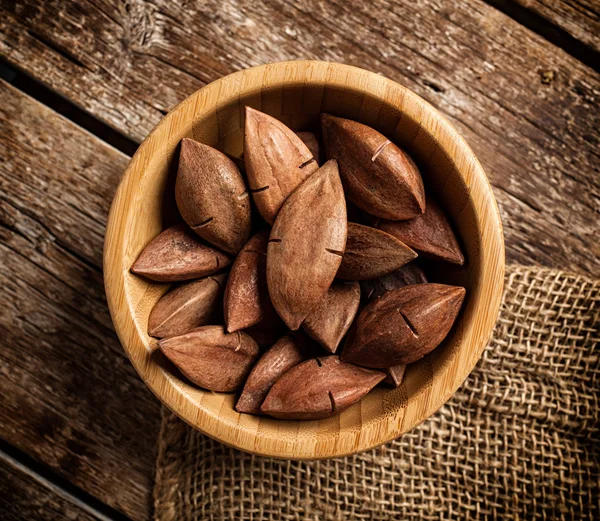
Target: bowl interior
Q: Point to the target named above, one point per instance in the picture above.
(296, 93)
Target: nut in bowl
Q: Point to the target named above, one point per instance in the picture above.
(372, 195)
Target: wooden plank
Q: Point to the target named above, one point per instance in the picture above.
(25, 495)
(70, 398)
(538, 141)
(579, 19)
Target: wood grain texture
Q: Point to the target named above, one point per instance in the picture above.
(70, 398)
(128, 63)
(23, 495)
(298, 92)
(578, 18)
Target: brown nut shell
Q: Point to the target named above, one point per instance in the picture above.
(276, 159)
(246, 295)
(403, 325)
(371, 253)
(378, 176)
(177, 254)
(211, 358)
(281, 357)
(318, 388)
(430, 234)
(186, 307)
(212, 197)
(306, 245)
(333, 316)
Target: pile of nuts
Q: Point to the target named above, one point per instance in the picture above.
(272, 326)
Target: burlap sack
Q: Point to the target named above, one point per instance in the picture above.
(519, 440)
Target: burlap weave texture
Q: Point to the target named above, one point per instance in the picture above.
(519, 440)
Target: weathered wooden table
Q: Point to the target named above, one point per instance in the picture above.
(83, 83)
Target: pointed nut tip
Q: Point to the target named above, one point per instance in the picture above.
(187, 143)
(293, 321)
(239, 407)
(265, 407)
(458, 258)
(252, 112)
(327, 120)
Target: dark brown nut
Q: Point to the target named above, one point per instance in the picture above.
(277, 161)
(278, 359)
(395, 375)
(212, 197)
(177, 254)
(430, 234)
(378, 176)
(312, 142)
(306, 245)
(211, 358)
(371, 253)
(186, 307)
(403, 325)
(333, 316)
(408, 274)
(246, 294)
(319, 388)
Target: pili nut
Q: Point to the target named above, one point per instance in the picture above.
(318, 388)
(312, 142)
(212, 197)
(430, 234)
(378, 176)
(177, 254)
(408, 274)
(371, 253)
(246, 294)
(395, 375)
(212, 358)
(306, 245)
(278, 359)
(276, 159)
(403, 325)
(186, 307)
(333, 316)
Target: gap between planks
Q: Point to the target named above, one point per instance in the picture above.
(55, 485)
(66, 108)
(549, 30)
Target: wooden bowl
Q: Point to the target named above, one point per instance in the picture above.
(296, 93)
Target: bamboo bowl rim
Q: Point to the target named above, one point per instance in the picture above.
(357, 428)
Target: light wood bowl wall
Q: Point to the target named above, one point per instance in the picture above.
(296, 93)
